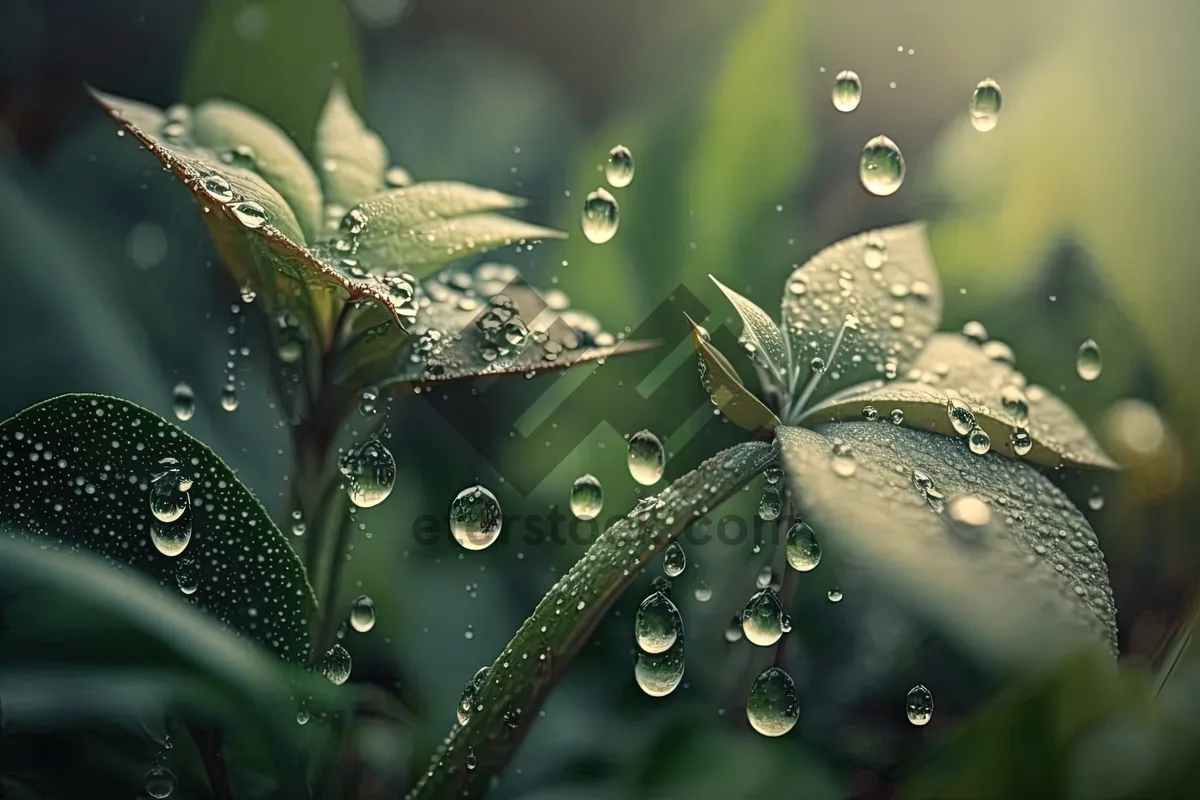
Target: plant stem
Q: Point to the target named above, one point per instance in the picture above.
(208, 745)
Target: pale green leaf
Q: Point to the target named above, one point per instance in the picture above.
(886, 281)
(995, 587)
(760, 332)
(726, 389)
(529, 667)
(80, 468)
(351, 158)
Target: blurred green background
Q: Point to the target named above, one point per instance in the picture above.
(1073, 219)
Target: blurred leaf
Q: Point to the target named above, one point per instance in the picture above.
(221, 127)
(421, 227)
(270, 57)
(952, 363)
(760, 331)
(726, 389)
(533, 662)
(989, 575)
(81, 470)
(351, 157)
(886, 280)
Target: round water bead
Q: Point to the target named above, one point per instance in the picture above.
(336, 665)
(733, 633)
(762, 618)
(600, 216)
(1088, 363)
(475, 518)
(657, 624)
(619, 167)
(587, 497)
(985, 105)
(803, 551)
(362, 614)
(772, 706)
(646, 458)
(962, 419)
(370, 473)
(659, 673)
(183, 399)
(674, 560)
(881, 167)
(770, 504)
(847, 91)
(918, 706)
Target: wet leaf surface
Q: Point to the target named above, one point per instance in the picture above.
(726, 389)
(351, 158)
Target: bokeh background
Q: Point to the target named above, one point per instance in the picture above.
(1073, 219)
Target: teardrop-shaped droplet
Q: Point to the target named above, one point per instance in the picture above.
(183, 399)
(1015, 403)
(1022, 442)
(587, 497)
(229, 398)
(762, 618)
(1087, 361)
(216, 187)
(772, 706)
(370, 473)
(362, 614)
(160, 782)
(881, 167)
(187, 575)
(961, 417)
(249, 213)
(657, 624)
(466, 703)
(471, 760)
(843, 462)
(847, 91)
(985, 105)
(803, 550)
(979, 441)
(674, 560)
(167, 500)
(659, 673)
(770, 504)
(171, 538)
(646, 458)
(336, 665)
(918, 705)
(475, 518)
(600, 217)
(834, 595)
(619, 167)
(733, 633)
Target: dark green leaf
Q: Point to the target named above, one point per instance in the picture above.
(532, 663)
(80, 469)
(1015, 584)
(726, 389)
(350, 157)
(886, 281)
(760, 332)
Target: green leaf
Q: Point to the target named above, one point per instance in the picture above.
(267, 57)
(421, 227)
(760, 332)
(533, 662)
(457, 334)
(886, 280)
(351, 157)
(726, 389)
(221, 126)
(993, 585)
(80, 472)
(953, 366)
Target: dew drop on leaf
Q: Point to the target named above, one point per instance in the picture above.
(674, 560)
(216, 187)
(968, 511)
(847, 91)
(619, 167)
(1087, 361)
(1022, 442)
(159, 782)
(249, 213)
(168, 500)
(772, 706)
(646, 458)
(881, 167)
(600, 216)
(985, 105)
(897, 416)
(587, 497)
(975, 331)
(843, 463)
(183, 399)
(918, 706)
(802, 549)
(475, 518)
(762, 618)
(1014, 403)
(370, 473)
(659, 673)
(336, 665)
(770, 504)
(362, 614)
(171, 538)
(961, 418)
(657, 624)
(870, 414)
(979, 441)
(512, 717)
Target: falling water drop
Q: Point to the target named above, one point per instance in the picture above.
(985, 105)
(979, 441)
(961, 417)
(763, 579)
(168, 500)
(834, 595)
(646, 458)
(881, 168)
(803, 550)
(918, 706)
(362, 614)
(657, 624)
(587, 497)
(770, 504)
(772, 706)
(160, 782)
(184, 401)
(847, 91)
(1087, 361)
(336, 665)
(619, 167)
(762, 618)
(475, 518)
(659, 673)
(600, 216)
(370, 473)
(229, 398)
(674, 560)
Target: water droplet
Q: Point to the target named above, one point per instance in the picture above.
(184, 401)
(770, 505)
(619, 167)
(475, 518)
(368, 401)
(303, 715)
(600, 217)
(248, 294)
(1014, 403)
(762, 618)
(897, 416)
(229, 398)
(834, 595)
(160, 782)
(961, 417)
(1022, 442)
(918, 705)
(659, 673)
(881, 168)
(975, 331)
(646, 458)
(979, 441)
(763, 579)
(1087, 360)
(773, 474)
(249, 213)
(969, 511)
(657, 624)
(370, 473)
(187, 575)
(336, 665)
(772, 706)
(734, 632)
(512, 717)
(803, 551)
(843, 462)
(870, 414)
(703, 592)
(587, 497)
(817, 364)
(471, 760)
(397, 177)
(362, 614)
(167, 500)
(1095, 499)
(354, 223)
(985, 105)
(847, 91)
(467, 703)
(674, 560)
